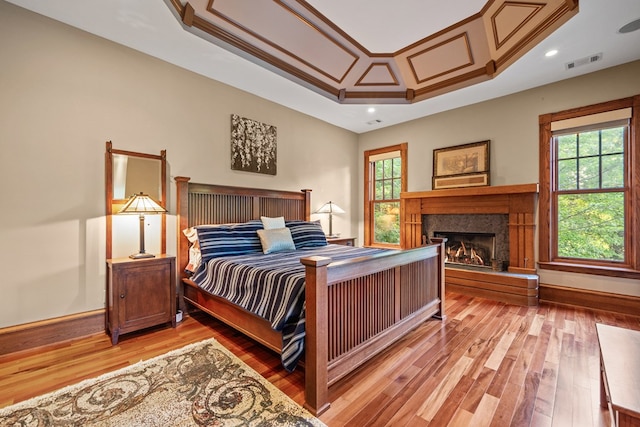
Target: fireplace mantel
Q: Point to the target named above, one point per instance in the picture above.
(474, 191)
(517, 201)
(520, 284)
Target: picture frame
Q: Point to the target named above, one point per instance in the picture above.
(254, 146)
(465, 165)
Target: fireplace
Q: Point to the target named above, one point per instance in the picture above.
(508, 211)
(469, 249)
(487, 233)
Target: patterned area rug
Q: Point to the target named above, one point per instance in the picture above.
(202, 384)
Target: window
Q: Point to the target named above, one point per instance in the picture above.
(589, 188)
(590, 193)
(385, 169)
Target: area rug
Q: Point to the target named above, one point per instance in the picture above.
(202, 384)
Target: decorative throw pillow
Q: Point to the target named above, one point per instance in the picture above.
(191, 233)
(269, 223)
(194, 250)
(229, 239)
(276, 240)
(307, 234)
(195, 259)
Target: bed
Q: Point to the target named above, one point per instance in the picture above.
(354, 308)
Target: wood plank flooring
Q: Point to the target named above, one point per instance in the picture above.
(488, 364)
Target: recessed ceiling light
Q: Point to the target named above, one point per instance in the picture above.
(371, 110)
(631, 26)
(552, 52)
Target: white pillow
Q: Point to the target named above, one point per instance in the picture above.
(195, 257)
(276, 240)
(191, 233)
(271, 223)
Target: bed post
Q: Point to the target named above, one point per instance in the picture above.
(307, 204)
(182, 221)
(441, 287)
(316, 339)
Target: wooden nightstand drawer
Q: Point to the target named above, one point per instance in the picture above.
(140, 293)
(346, 241)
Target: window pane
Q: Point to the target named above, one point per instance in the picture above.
(379, 195)
(613, 140)
(567, 146)
(589, 175)
(379, 166)
(397, 169)
(567, 174)
(589, 143)
(388, 189)
(397, 188)
(613, 171)
(387, 222)
(591, 226)
(388, 168)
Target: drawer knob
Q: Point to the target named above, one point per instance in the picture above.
(122, 296)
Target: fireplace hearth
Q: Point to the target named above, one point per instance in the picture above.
(469, 249)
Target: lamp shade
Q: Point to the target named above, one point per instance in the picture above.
(330, 208)
(141, 204)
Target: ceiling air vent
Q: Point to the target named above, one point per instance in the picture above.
(374, 122)
(584, 61)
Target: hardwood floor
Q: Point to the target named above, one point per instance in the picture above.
(488, 364)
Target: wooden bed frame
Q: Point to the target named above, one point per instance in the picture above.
(354, 309)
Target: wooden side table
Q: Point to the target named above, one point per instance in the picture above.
(140, 293)
(620, 373)
(346, 241)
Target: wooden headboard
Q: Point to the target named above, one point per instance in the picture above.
(199, 204)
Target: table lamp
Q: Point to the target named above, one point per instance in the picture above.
(141, 204)
(330, 208)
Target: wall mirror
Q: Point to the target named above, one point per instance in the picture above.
(132, 175)
(128, 173)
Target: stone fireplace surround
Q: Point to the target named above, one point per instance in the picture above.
(497, 224)
(517, 203)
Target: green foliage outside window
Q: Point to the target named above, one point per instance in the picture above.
(387, 222)
(591, 226)
(591, 216)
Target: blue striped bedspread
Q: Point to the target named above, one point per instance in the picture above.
(272, 287)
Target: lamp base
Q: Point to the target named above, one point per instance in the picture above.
(141, 255)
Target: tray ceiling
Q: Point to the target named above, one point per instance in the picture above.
(295, 40)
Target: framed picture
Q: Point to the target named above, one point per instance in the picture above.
(253, 146)
(464, 165)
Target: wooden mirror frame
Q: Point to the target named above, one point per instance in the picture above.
(113, 205)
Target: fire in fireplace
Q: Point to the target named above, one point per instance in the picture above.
(472, 249)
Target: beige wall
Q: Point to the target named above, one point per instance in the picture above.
(511, 123)
(63, 93)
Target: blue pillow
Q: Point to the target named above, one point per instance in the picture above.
(229, 239)
(307, 234)
(276, 240)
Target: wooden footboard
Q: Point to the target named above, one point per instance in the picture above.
(357, 308)
(354, 309)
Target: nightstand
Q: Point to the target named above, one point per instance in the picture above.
(140, 293)
(346, 241)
